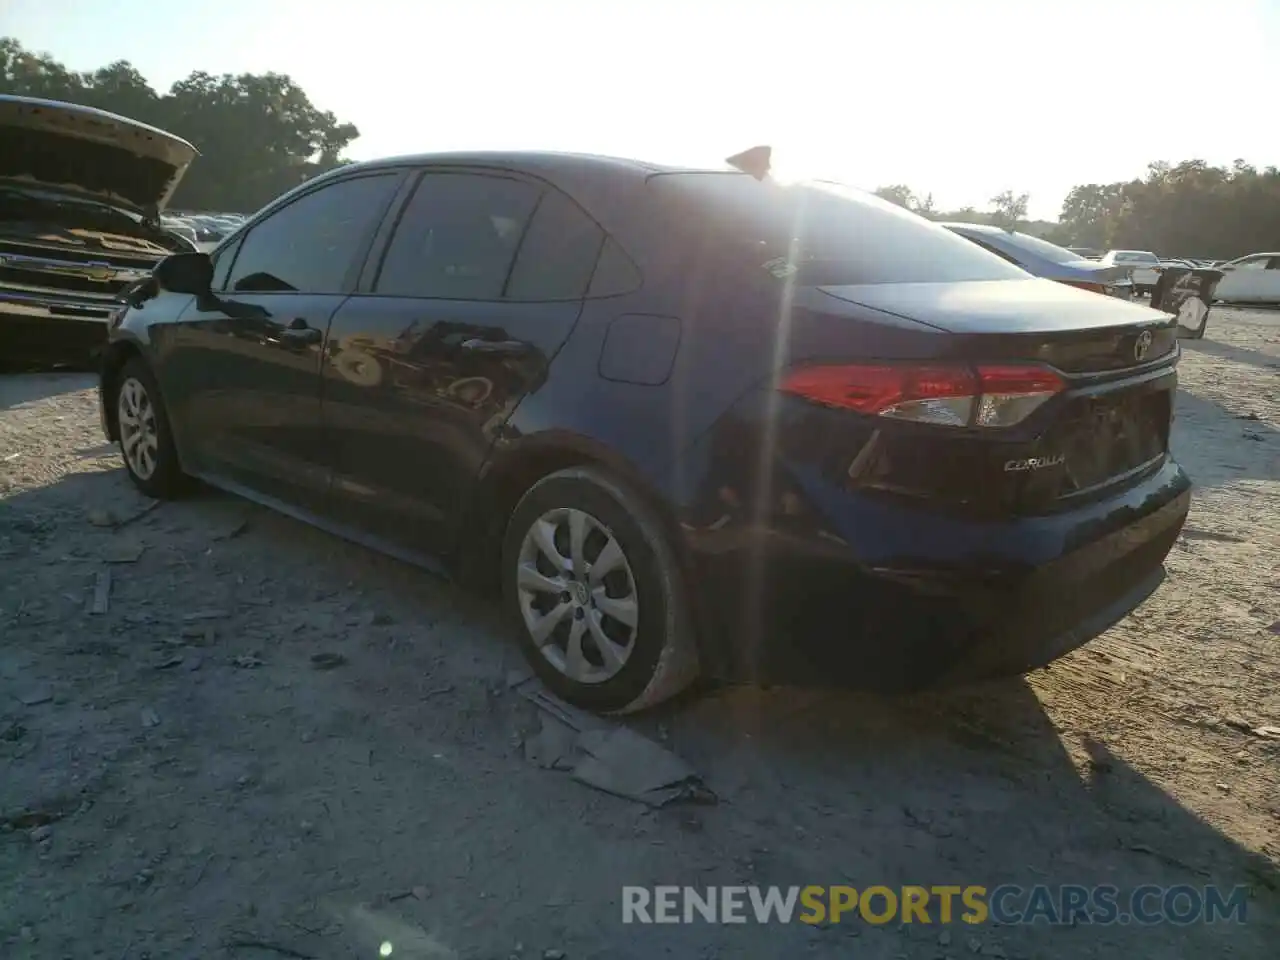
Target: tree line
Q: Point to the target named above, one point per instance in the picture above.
(1188, 209)
(259, 135)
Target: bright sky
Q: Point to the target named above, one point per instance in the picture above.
(963, 99)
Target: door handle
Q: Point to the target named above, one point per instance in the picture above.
(298, 332)
(476, 345)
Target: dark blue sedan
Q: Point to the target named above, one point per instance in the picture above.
(687, 421)
(1044, 259)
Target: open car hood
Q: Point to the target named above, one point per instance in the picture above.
(91, 152)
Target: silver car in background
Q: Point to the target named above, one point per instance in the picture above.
(1048, 260)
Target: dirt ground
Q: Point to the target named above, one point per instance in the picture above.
(178, 779)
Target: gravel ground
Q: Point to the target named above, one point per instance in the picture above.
(178, 779)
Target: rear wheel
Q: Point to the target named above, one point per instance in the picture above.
(598, 593)
(146, 441)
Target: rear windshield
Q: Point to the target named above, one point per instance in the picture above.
(1041, 248)
(821, 233)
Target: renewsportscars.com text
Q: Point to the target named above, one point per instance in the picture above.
(1066, 904)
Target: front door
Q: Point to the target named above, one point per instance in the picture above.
(245, 361)
(479, 287)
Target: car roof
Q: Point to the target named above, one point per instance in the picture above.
(607, 187)
(549, 164)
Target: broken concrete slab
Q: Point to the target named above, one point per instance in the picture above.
(606, 755)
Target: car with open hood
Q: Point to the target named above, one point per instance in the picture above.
(81, 192)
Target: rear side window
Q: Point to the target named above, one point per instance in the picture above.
(819, 233)
(311, 245)
(616, 273)
(558, 253)
(457, 237)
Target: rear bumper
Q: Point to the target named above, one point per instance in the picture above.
(888, 598)
(51, 332)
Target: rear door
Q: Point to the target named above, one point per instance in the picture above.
(242, 367)
(480, 283)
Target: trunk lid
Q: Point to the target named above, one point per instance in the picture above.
(90, 152)
(1074, 330)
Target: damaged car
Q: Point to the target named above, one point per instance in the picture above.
(81, 192)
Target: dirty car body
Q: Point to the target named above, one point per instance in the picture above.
(881, 455)
(80, 195)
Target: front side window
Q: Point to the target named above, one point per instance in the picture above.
(311, 245)
(457, 237)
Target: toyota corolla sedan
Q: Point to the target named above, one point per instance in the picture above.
(690, 422)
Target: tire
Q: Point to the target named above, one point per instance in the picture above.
(657, 653)
(136, 394)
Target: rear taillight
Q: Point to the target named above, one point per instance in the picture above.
(1087, 285)
(950, 395)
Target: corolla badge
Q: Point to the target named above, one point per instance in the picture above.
(1034, 463)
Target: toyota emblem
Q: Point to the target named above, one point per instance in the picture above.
(1141, 346)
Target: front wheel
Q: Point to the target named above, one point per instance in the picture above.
(598, 593)
(146, 440)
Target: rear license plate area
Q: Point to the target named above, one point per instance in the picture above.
(1106, 438)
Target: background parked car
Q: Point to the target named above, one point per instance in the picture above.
(1048, 260)
(1143, 265)
(1251, 279)
(181, 228)
(1086, 253)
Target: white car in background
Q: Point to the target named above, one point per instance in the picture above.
(1144, 267)
(1255, 278)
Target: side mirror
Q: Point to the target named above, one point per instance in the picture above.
(185, 273)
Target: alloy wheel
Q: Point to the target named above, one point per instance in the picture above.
(139, 432)
(577, 595)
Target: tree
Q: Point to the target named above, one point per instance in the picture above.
(1011, 209)
(898, 193)
(257, 135)
(1188, 209)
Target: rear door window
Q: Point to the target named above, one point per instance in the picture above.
(818, 233)
(311, 245)
(458, 237)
